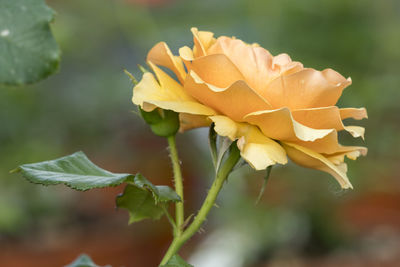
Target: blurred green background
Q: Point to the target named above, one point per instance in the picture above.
(304, 219)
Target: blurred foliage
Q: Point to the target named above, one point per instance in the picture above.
(87, 106)
(28, 51)
(84, 261)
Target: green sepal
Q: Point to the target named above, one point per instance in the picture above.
(131, 77)
(28, 50)
(151, 117)
(266, 178)
(212, 140)
(143, 69)
(84, 261)
(176, 261)
(233, 155)
(144, 200)
(75, 171)
(223, 151)
(163, 123)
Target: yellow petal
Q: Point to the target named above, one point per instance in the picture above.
(187, 56)
(279, 124)
(224, 126)
(161, 55)
(172, 97)
(202, 41)
(307, 88)
(186, 53)
(355, 131)
(190, 121)
(235, 101)
(257, 149)
(310, 159)
(146, 90)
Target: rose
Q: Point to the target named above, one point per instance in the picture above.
(272, 105)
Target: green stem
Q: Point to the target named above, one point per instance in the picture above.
(170, 219)
(179, 211)
(207, 204)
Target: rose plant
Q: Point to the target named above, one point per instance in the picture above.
(261, 108)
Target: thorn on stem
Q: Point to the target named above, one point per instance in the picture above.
(187, 221)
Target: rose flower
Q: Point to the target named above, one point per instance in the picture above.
(273, 106)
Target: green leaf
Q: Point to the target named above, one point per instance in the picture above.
(176, 261)
(144, 200)
(160, 193)
(84, 261)
(75, 171)
(140, 204)
(140, 197)
(28, 51)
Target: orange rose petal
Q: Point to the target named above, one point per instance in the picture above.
(281, 60)
(355, 113)
(235, 101)
(319, 118)
(190, 121)
(279, 124)
(307, 88)
(255, 63)
(148, 94)
(187, 56)
(257, 149)
(328, 118)
(284, 64)
(353, 154)
(161, 55)
(328, 144)
(146, 106)
(217, 70)
(202, 41)
(310, 159)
